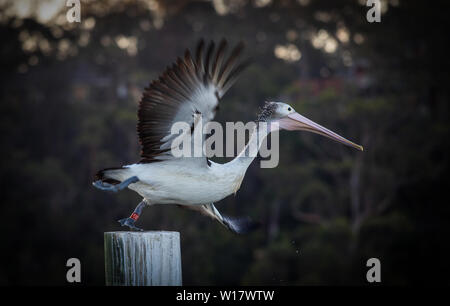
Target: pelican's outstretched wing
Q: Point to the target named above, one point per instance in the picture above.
(190, 86)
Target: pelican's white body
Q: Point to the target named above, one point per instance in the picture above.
(180, 181)
(189, 180)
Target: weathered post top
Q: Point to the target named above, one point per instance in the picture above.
(150, 258)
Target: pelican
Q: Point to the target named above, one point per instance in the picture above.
(194, 85)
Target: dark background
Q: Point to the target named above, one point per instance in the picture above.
(69, 95)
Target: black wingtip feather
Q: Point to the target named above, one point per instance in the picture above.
(209, 53)
(199, 57)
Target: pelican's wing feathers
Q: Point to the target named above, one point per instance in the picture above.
(188, 87)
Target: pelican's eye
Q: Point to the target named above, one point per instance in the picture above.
(289, 109)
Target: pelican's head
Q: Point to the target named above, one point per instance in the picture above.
(284, 117)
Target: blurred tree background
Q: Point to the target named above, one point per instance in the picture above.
(69, 94)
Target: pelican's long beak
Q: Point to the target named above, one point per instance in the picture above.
(295, 121)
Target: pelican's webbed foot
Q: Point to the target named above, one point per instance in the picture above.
(130, 223)
(240, 225)
(131, 220)
(114, 188)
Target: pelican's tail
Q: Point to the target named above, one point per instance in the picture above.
(111, 175)
(114, 179)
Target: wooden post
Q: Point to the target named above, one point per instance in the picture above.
(142, 258)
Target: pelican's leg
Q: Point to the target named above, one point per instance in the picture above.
(236, 225)
(109, 187)
(134, 216)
